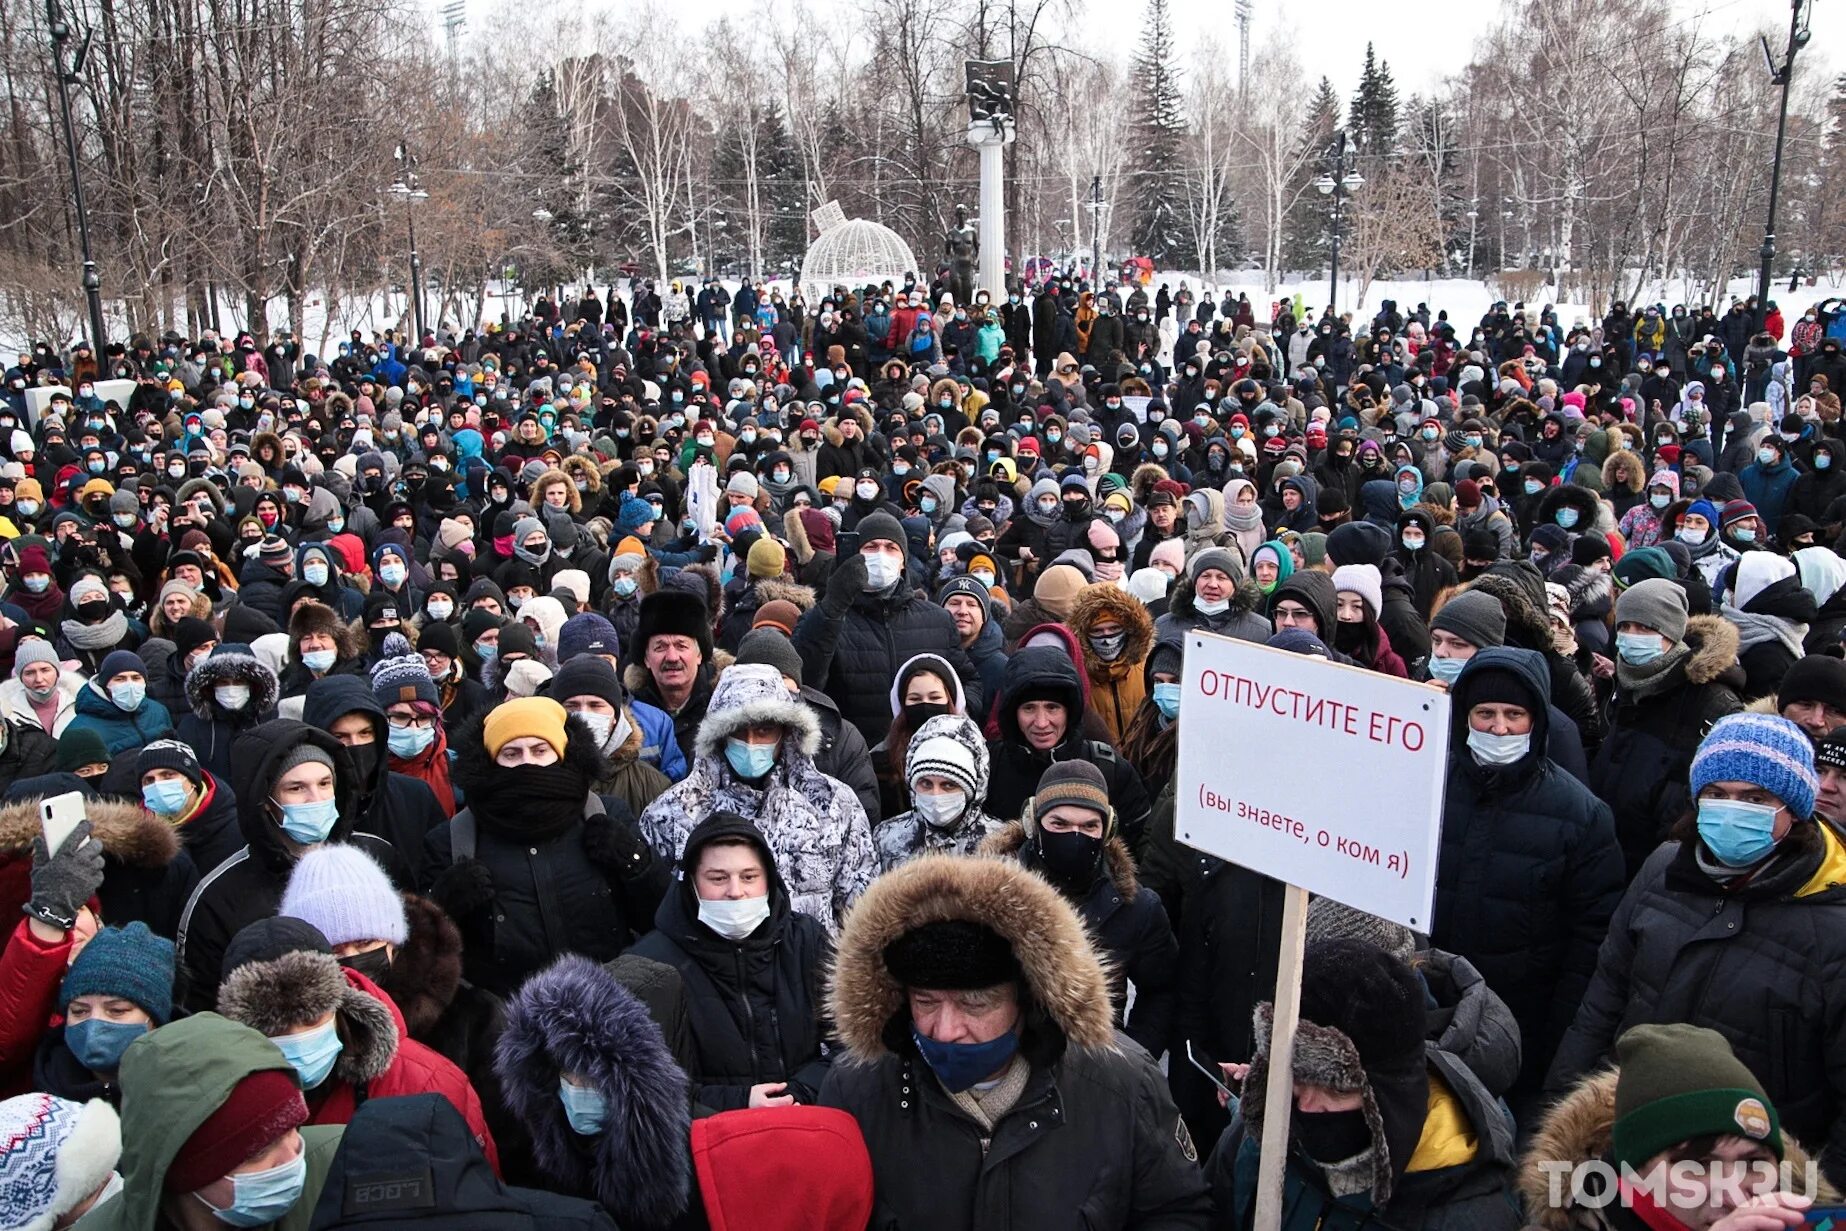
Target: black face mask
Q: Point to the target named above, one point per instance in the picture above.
(1074, 509)
(365, 759)
(374, 964)
(916, 713)
(1330, 1136)
(1349, 637)
(1069, 859)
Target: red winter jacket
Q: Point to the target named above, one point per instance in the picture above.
(413, 1069)
(30, 974)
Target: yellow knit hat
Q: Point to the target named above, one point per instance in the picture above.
(528, 717)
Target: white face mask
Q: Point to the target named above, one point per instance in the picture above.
(881, 570)
(232, 696)
(733, 919)
(941, 811)
(1491, 749)
(440, 609)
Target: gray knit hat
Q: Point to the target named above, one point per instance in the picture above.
(302, 754)
(1475, 616)
(768, 646)
(1330, 920)
(1656, 603)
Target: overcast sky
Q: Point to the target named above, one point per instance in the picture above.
(1421, 42)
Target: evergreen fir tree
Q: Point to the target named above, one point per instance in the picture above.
(1309, 238)
(1374, 109)
(1157, 128)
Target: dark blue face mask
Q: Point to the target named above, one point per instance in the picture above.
(99, 1043)
(958, 1066)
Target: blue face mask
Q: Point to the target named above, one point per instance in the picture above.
(586, 1110)
(314, 574)
(1744, 534)
(312, 1053)
(407, 742)
(167, 797)
(958, 1066)
(1638, 649)
(487, 651)
(317, 660)
(309, 824)
(1567, 517)
(1166, 699)
(127, 695)
(1822, 461)
(750, 761)
(1444, 670)
(258, 1198)
(98, 1044)
(1737, 833)
(624, 586)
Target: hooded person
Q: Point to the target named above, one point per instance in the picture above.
(1529, 870)
(1116, 633)
(1243, 517)
(823, 1176)
(1040, 720)
(1068, 836)
(755, 757)
(1385, 1128)
(227, 693)
(1772, 612)
(973, 1008)
(295, 788)
(1214, 596)
(344, 1038)
(395, 807)
(115, 705)
(752, 967)
(57, 1160)
(946, 770)
(212, 1115)
(534, 834)
(587, 1073)
(1755, 859)
(1428, 573)
(842, 753)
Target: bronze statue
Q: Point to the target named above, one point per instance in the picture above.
(962, 246)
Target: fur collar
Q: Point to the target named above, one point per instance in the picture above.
(1713, 641)
(575, 1016)
(130, 834)
(1062, 970)
(427, 970)
(277, 996)
(1007, 841)
(770, 589)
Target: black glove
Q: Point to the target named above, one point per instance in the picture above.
(846, 585)
(708, 553)
(63, 881)
(613, 846)
(463, 888)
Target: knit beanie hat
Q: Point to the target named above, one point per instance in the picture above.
(1056, 589)
(1818, 677)
(1071, 782)
(190, 633)
(1675, 1082)
(78, 747)
(771, 647)
(343, 892)
(742, 483)
(587, 676)
(767, 558)
(1330, 920)
(34, 650)
(1313, 548)
(525, 718)
(130, 962)
(304, 753)
(1474, 616)
(88, 589)
(1215, 557)
(781, 615)
(53, 1154)
(1170, 552)
(948, 746)
(170, 754)
(259, 1109)
(116, 662)
(1762, 749)
(440, 637)
(587, 633)
(1363, 580)
(402, 675)
(1656, 603)
(1642, 563)
(1831, 750)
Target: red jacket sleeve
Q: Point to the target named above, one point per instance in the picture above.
(30, 973)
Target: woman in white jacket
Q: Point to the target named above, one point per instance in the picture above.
(40, 693)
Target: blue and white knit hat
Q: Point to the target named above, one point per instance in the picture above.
(53, 1154)
(402, 675)
(1765, 749)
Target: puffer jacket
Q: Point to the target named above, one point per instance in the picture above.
(120, 731)
(1655, 725)
(1117, 686)
(814, 824)
(1048, 673)
(756, 1004)
(854, 657)
(1529, 870)
(1763, 964)
(396, 807)
(248, 886)
(590, 888)
(1129, 928)
(1243, 619)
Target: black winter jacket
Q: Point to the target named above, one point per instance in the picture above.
(396, 807)
(843, 753)
(1764, 965)
(755, 1004)
(259, 587)
(1529, 870)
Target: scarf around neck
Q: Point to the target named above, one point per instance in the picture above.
(104, 633)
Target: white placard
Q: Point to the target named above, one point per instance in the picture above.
(1314, 773)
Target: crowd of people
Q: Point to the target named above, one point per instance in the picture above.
(694, 758)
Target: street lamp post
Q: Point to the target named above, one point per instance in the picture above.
(1337, 183)
(1096, 232)
(408, 188)
(61, 35)
(1781, 75)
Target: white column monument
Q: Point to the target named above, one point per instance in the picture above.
(990, 130)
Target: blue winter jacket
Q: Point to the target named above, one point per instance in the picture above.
(120, 731)
(659, 747)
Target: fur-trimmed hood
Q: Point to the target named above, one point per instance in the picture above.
(1575, 495)
(1528, 626)
(575, 1017)
(1141, 482)
(579, 467)
(769, 589)
(280, 995)
(426, 972)
(1009, 841)
(751, 693)
(1106, 600)
(1065, 977)
(1624, 471)
(1714, 642)
(222, 668)
(830, 430)
(129, 833)
(573, 501)
(1579, 1128)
